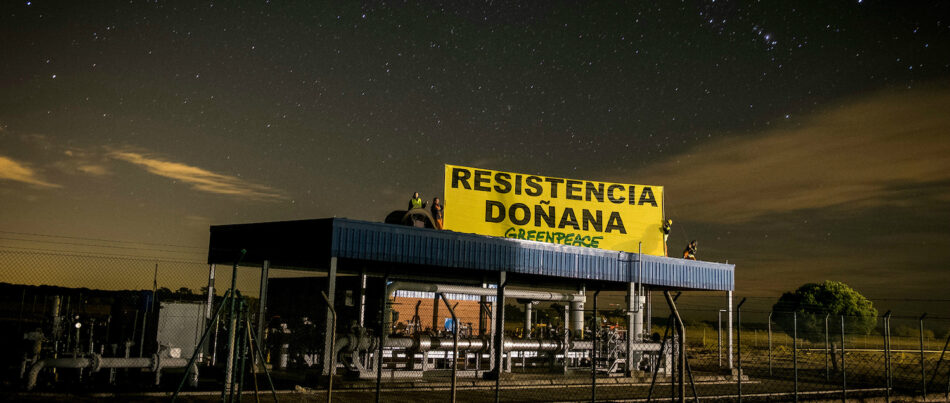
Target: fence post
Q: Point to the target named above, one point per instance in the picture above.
(770, 343)
(890, 370)
(844, 370)
(719, 335)
(595, 332)
(827, 348)
(887, 360)
(940, 360)
(498, 314)
(739, 348)
(681, 330)
(795, 350)
(232, 321)
(455, 343)
(923, 372)
(674, 362)
(383, 333)
(656, 366)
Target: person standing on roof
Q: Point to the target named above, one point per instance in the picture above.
(415, 201)
(690, 251)
(437, 212)
(418, 220)
(665, 229)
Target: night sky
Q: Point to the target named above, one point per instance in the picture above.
(801, 141)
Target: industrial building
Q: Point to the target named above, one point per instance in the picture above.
(365, 268)
(406, 301)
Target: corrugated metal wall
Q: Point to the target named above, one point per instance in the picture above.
(408, 245)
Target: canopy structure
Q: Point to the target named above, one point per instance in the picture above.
(403, 251)
(397, 254)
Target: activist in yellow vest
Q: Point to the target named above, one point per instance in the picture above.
(415, 201)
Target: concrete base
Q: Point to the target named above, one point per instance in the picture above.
(388, 374)
(403, 374)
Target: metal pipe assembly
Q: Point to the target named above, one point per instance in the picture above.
(472, 290)
(362, 353)
(425, 343)
(95, 362)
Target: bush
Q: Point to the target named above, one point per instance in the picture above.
(813, 301)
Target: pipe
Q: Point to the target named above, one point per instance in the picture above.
(95, 362)
(577, 318)
(423, 343)
(528, 308)
(469, 290)
(427, 343)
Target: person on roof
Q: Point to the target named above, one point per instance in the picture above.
(437, 212)
(690, 251)
(665, 229)
(415, 201)
(667, 226)
(418, 220)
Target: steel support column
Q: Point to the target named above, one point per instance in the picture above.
(362, 310)
(435, 314)
(631, 329)
(263, 301)
(210, 302)
(499, 330)
(731, 324)
(327, 358)
(566, 337)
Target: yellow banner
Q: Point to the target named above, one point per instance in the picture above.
(593, 214)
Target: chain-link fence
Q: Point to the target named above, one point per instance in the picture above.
(74, 322)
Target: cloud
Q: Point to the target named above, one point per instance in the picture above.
(881, 150)
(83, 162)
(93, 169)
(199, 178)
(19, 172)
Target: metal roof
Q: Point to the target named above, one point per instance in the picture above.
(309, 244)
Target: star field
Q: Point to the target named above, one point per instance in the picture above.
(119, 117)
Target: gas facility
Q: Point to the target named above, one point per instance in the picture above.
(380, 299)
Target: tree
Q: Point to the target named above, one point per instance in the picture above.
(813, 301)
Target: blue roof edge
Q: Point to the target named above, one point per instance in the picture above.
(375, 241)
